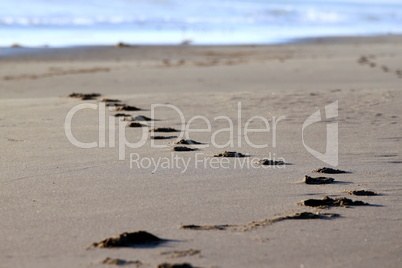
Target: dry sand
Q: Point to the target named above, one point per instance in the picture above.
(58, 199)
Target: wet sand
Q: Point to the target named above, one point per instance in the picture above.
(58, 199)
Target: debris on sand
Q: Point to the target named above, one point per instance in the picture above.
(175, 265)
(329, 202)
(121, 44)
(85, 96)
(164, 129)
(206, 227)
(139, 238)
(188, 142)
(361, 192)
(15, 45)
(183, 149)
(119, 262)
(127, 108)
(318, 180)
(269, 162)
(329, 171)
(162, 137)
(181, 253)
(135, 124)
(230, 154)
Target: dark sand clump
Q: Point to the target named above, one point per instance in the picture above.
(329, 171)
(135, 124)
(164, 129)
(270, 162)
(183, 149)
(188, 142)
(361, 192)
(230, 154)
(318, 180)
(175, 265)
(206, 227)
(162, 137)
(119, 262)
(181, 253)
(140, 238)
(85, 96)
(329, 202)
(127, 108)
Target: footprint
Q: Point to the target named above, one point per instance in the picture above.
(122, 115)
(230, 154)
(140, 238)
(110, 100)
(361, 192)
(188, 142)
(183, 149)
(329, 202)
(181, 253)
(269, 162)
(164, 129)
(135, 124)
(175, 265)
(329, 171)
(127, 108)
(317, 180)
(261, 223)
(119, 262)
(84, 96)
(162, 137)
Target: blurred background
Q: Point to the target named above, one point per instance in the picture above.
(199, 22)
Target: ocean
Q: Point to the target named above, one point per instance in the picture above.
(199, 22)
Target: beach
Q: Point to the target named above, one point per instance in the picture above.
(58, 198)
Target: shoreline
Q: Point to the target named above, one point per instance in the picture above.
(9, 53)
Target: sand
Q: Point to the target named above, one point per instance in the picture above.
(58, 199)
